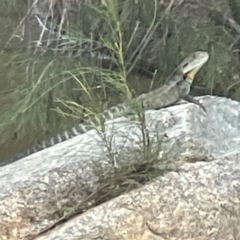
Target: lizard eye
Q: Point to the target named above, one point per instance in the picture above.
(185, 65)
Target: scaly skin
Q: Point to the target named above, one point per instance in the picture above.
(167, 95)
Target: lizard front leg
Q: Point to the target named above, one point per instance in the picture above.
(191, 99)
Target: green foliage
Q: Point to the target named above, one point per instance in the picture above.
(48, 81)
(138, 37)
(235, 7)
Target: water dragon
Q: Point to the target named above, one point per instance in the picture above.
(175, 89)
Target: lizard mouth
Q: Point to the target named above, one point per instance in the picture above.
(189, 75)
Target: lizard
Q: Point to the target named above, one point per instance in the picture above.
(170, 93)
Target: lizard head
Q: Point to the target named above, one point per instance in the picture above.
(192, 64)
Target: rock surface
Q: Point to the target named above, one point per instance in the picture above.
(35, 190)
(202, 202)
